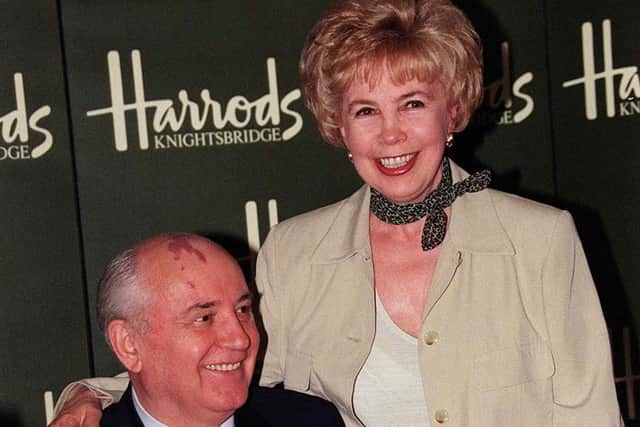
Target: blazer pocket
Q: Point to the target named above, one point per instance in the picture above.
(509, 367)
(297, 371)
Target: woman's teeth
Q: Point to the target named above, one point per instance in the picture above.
(396, 162)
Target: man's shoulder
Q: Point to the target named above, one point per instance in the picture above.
(280, 407)
(122, 413)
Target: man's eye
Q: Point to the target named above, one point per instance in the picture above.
(203, 319)
(414, 103)
(244, 309)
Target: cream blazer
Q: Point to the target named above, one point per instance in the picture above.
(512, 335)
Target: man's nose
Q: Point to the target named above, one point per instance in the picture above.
(232, 334)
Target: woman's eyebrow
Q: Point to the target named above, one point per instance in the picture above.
(358, 102)
(415, 93)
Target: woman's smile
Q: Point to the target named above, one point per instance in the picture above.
(397, 165)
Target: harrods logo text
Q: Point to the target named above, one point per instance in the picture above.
(23, 137)
(205, 122)
(628, 93)
(502, 97)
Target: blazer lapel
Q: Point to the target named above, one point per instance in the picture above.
(342, 265)
(349, 233)
(474, 227)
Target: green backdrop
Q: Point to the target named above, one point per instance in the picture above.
(95, 153)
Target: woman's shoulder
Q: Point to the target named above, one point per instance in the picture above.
(320, 220)
(528, 218)
(322, 232)
(522, 205)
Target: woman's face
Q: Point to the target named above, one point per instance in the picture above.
(396, 134)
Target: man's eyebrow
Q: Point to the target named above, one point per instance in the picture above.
(246, 297)
(202, 306)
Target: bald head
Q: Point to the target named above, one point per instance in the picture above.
(173, 255)
(127, 284)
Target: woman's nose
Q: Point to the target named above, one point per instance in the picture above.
(392, 131)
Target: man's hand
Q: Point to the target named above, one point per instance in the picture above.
(82, 410)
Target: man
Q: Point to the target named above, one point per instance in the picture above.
(177, 313)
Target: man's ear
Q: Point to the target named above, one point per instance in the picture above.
(124, 341)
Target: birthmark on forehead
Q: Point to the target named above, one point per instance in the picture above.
(178, 245)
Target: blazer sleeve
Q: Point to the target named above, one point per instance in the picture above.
(107, 390)
(583, 386)
(270, 310)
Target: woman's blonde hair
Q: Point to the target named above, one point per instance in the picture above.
(428, 40)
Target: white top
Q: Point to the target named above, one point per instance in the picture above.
(388, 390)
(149, 421)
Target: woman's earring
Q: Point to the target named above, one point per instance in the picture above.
(449, 142)
(350, 156)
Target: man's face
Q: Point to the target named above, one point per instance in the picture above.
(199, 350)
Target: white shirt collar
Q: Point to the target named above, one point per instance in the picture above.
(149, 421)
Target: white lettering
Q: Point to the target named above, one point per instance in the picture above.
(526, 111)
(213, 138)
(16, 124)
(506, 118)
(503, 93)
(629, 82)
(15, 152)
(284, 105)
(239, 111)
(253, 229)
(629, 108)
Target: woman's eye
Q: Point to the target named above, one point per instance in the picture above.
(414, 104)
(366, 111)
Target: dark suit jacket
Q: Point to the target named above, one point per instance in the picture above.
(265, 407)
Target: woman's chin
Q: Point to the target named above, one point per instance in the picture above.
(400, 197)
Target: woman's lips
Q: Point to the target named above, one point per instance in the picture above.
(397, 165)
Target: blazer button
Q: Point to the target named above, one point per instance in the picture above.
(431, 337)
(441, 416)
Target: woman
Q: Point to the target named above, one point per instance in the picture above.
(492, 290)
(425, 298)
